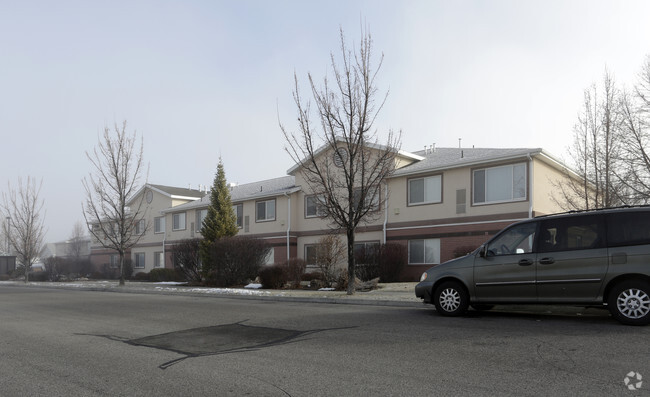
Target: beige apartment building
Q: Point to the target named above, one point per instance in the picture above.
(440, 203)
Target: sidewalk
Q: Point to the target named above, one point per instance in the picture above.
(389, 294)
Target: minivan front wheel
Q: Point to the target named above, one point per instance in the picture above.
(451, 299)
(629, 302)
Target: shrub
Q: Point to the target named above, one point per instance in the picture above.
(164, 274)
(38, 276)
(235, 260)
(329, 253)
(141, 276)
(4, 277)
(187, 259)
(385, 262)
(273, 277)
(294, 268)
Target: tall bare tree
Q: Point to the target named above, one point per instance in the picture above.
(634, 109)
(117, 174)
(595, 153)
(339, 153)
(25, 227)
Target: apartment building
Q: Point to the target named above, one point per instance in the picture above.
(439, 203)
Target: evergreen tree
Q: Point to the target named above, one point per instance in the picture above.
(220, 221)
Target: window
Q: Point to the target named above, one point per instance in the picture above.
(518, 239)
(426, 190)
(366, 253)
(115, 261)
(178, 221)
(461, 200)
(270, 257)
(314, 206)
(159, 224)
(139, 227)
(573, 233)
(239, 212)
(340, 157)
(500, 184)
(158, 259)
(265, 211)
(200, 216)
(373, 201)
(311, 254)
(425, 251)
(628, 228)
(139, 260)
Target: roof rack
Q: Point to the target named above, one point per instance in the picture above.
(596, 210)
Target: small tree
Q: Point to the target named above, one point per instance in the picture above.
(220, 221)
(25, 225)
(187, 259)
(339, 155)
(237, 260)
(330, 252)
(117, 172)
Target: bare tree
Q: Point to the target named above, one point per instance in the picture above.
(25, 227)
(117, 173)
(593, 181)
(339, 154)
(330, 250)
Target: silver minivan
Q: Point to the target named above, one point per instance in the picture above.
(599, 257)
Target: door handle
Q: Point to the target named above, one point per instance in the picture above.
(546, 261)
(525, 262)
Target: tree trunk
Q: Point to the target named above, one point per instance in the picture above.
(351, 272)
(121, 269)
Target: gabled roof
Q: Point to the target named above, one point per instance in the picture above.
(179, 193)
(325, 147)
(249, 191)
(448, 158)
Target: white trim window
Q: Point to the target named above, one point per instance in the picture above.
(115, 261)
(426, 190)
(370, 201)
(139, 227)
(315, 206)
(265, 211)
(139, 260)
(159, 224)
(178, 221)
(500, 184)
(159, 259)
(238, 209)
(424, 251)
(200, 216)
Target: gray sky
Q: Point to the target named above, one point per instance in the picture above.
(203, 79)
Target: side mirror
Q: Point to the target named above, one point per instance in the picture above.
(482, 252)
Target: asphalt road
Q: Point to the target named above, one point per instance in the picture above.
(88, 343)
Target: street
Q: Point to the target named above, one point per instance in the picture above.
(89, 343)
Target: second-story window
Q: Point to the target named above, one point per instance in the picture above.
(314, 206)
(159, 224)
(139, 227)
(265, 211)
(178, 221)
(200, 216)
(499, 184)
(238, 209)
(427, 190)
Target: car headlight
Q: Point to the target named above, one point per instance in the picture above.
(423, 276)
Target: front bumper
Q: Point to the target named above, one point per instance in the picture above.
(424, 290)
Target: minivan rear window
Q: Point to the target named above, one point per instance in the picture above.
(572, 233)
(628, 228)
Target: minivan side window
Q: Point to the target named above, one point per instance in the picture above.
(572, 233)
(518, 239)
(628, 228)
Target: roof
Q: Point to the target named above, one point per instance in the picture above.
(172, 192)
(446, 158)
(249, 191)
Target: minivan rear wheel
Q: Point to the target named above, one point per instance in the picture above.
(629, 302)
(451, 299)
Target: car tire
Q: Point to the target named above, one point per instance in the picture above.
(451, 299)
(629, 302)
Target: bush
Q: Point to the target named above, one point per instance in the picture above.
(141, 276)
(187, 260)
(38, 276)
(273, 277)
(164, 274)
(385, 262)
(4, 277)
(294, 268)
(235, 261)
